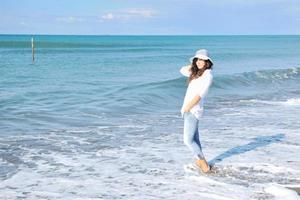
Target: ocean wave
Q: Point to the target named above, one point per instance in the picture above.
(226, 81)
(168, 93)
(256, 77)
(171, 90)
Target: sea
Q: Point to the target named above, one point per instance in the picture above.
(98, 117)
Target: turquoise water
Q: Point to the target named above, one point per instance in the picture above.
(128, 74)
(85, 96)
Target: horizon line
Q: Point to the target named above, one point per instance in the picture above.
(38, 34)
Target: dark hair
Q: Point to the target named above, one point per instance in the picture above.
(196, 72)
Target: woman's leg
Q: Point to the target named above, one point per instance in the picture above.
(192, 140)
(197, 138)
(201, 162)
(191, 135)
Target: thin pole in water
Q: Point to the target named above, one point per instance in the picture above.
(32, 47)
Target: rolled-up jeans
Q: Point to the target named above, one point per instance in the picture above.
(191, 135)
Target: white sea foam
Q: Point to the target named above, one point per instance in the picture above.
(273, 168)
(288, 102)
(109, 152)
(293, 101)
(280, 192)
(253, 156)
(205, 180)
(211, 196)
(136, 172)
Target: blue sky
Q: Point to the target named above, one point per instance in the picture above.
(152, 17)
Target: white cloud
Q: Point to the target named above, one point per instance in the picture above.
(141, 12)
(128, 14)
(70, 19)
(108, 16)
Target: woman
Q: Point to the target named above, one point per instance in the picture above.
(199, 81)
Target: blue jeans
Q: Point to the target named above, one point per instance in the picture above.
(191, 135)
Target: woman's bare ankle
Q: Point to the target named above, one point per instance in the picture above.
(203, 165)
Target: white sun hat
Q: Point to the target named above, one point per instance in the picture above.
(202, 54)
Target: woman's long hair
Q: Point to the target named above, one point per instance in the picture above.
(196, 72)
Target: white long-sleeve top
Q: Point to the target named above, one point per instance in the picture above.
(198, 86)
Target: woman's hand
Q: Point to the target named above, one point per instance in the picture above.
(190, 105)
(184, 110)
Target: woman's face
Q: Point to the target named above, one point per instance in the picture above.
(200, 63)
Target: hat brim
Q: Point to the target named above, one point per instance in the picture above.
(203, 57)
